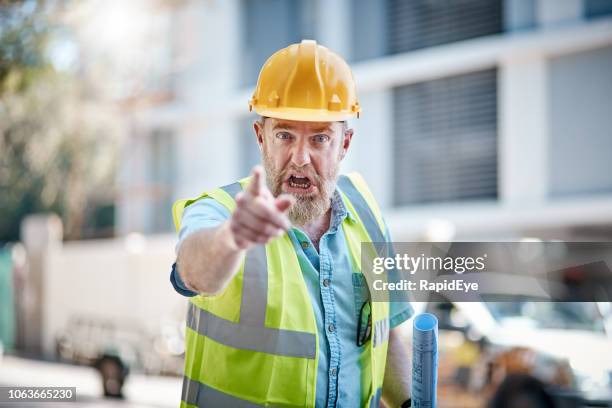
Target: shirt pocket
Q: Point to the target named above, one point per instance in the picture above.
(360, 291)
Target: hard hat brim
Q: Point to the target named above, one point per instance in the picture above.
(305, 115)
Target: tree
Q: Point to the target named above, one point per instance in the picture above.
(55, 150)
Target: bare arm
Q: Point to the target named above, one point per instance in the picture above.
(208, 259)
(398, 372)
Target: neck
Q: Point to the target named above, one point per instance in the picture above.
(316, 228)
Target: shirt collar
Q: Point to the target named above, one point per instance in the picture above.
(340, 210)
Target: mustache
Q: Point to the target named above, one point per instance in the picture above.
(307, 170)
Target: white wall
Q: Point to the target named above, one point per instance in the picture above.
(522, 130)
(580, 116)
(370, 152)
(123, 280)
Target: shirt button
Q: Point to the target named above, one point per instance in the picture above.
(333, 372)
(304, 244)
(326, 282)
(331, 328)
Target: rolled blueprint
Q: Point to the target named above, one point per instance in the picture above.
(424, 361)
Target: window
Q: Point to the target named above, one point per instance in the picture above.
(162, 162)
(369, 29)
(424, 23)
(580, 142)
(270, 25)
(597, 8)
(445, 139)
(396, 26)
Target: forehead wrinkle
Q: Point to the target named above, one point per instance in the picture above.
(325, 127)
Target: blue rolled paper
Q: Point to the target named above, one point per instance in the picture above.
(424, 361)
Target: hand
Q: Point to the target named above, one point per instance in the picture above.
(259, 216)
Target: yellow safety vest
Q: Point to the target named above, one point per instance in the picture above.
(256, 343)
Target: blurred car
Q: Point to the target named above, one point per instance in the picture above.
(523, 353)
(116, 348)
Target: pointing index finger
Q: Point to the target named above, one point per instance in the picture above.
(256, 185)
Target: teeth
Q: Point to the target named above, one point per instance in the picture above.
(299, 182)
(299, 185)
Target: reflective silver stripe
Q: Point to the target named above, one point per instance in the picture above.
(363, 209)
(232, 189)
(190, 391)
(376, 335)
(375, 401)
(254, 287)
(201, 395)
(381, 332)
(255, 277)
(249, 337)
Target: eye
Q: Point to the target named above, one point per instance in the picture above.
(320, 138)
(283, 135)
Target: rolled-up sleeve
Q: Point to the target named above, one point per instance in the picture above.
(205, 213)
(400, 308)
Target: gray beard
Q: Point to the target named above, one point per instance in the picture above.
(306, 209)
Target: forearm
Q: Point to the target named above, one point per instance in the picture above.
(208, 259)
(396, 386)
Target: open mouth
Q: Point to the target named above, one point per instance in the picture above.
(299, 182)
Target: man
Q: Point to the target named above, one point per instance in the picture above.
(280, 313)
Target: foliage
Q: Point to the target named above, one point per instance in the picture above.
(54, 147)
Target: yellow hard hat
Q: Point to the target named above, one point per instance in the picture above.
(306, 82)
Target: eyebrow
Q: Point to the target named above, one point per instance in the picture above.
(289, 126)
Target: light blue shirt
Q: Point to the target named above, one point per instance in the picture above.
(336, 292)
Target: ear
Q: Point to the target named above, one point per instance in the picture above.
(258, 126)
(346, 142)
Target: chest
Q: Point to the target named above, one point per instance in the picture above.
(335, 286)
(316, 230)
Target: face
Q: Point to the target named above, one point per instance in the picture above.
(303, 159)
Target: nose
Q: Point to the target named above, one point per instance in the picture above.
(300, 154)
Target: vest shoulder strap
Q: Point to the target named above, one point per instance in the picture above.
(362, 200)
(226, 195)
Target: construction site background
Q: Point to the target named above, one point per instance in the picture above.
(482, 120)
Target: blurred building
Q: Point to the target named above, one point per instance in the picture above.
(481, 118)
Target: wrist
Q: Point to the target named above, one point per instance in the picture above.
(228, 236)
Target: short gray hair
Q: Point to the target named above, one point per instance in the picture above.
(262, 120)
